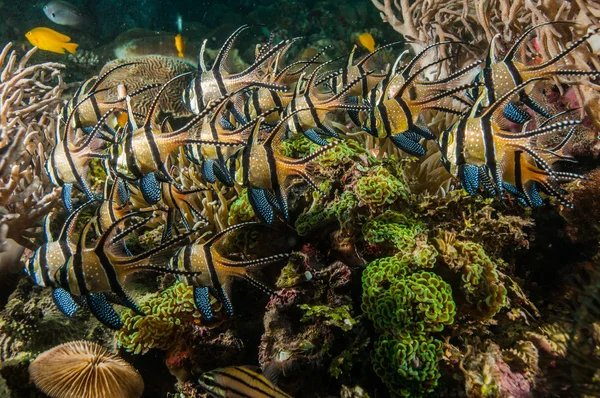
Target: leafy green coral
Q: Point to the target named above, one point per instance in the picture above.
(240, 210)
(397, 232)
(480, 280)
(380, 187)
(408, 362)
(396, 297)
(168, 315)
(343, 153)
(405, 306)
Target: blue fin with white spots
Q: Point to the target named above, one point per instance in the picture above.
(128, 302)
(486, 181)
(312, 135)
(533, 196)
(150, 188)
(123, 192)
(208, 171)
(469, 178)
(260, 204)
(67, 190)
(515, 114)
(88, 129)
(64, 301)
(511, 189)
(103, 311)
(202, 300)
(407, 145)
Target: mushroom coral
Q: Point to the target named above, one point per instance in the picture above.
(84, 369)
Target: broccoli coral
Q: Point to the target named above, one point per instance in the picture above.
(380, 187)
(167, 316)
(408, 362)
(395, 231)
(406, 306)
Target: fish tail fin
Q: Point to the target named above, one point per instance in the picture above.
(70, 47)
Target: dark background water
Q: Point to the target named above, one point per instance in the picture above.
(338, 21)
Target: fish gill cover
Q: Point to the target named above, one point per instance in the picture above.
(300, 198)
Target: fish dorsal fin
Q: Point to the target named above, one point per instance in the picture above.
(110, 235)
(103, 77)
(152, 110)
(226, 47)
(274, 136)
(83, 236)
(394, 69)
(220, 235)
(517, 44)
(67, 229)
(212, 105)
(350, 60)
(313, 75)
(306, 64)
(201, 65)
(372, 53)
(47, 230)
(408, 68)
(137, 92)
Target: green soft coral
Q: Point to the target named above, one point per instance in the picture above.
(342, 153)
(241, 210)
(480, 280)
(168, 315)
(396, 297)
(406, 306)
(407, 237)
(380, 187)
(408, 362)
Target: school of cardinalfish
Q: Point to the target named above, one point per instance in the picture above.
(234, 137)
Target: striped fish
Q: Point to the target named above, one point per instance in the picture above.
(320, 105)
(85, 105)
(102, 269)
(399, 100)
(68, 164)
(500, 76)
(239, 382)
(213, 158)
(261, 99)
(215, 83)
(269, 175)
(213, 273)
(339, 79)
(49, 257)
(144, 151)
(478, 151)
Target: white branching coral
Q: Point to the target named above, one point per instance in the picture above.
(30, 99)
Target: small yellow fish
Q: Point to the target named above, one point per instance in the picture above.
(179, 45)
(50, 40)
(367, 41)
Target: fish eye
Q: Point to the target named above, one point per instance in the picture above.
(53, 15)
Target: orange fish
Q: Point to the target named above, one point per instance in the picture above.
(367, 41)
(179, 45)
(50, 40)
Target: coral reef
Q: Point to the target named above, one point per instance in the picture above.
(31, 99)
